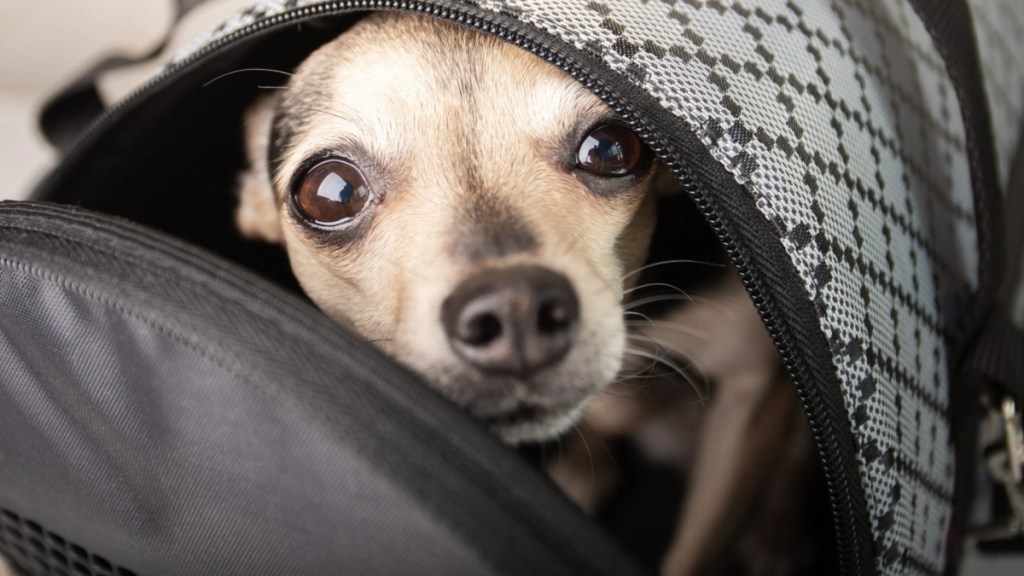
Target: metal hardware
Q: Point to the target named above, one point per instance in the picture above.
(1003, 435)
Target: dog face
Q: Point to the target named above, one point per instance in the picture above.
(464, 205)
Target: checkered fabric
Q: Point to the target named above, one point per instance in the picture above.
(841, 123)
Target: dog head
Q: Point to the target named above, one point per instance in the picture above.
(466, 206)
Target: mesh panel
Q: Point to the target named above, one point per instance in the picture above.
(35, 550)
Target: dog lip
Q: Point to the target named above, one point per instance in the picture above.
(523, 412)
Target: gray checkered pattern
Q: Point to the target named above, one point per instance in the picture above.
(840, 121)
(258, 10)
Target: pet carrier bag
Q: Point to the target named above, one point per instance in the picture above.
(169, 406)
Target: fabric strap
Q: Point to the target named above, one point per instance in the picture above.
(949, 23)
(989, 357)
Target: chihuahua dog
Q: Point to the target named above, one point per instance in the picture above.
(466, 206)
(480, 215)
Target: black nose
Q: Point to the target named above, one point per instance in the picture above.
(513, 321)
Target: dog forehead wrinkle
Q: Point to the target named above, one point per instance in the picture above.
(300, 137)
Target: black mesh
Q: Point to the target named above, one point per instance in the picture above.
(35, 550)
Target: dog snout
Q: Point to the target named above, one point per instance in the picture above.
(514, 321)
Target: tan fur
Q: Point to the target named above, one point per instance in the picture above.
(390, 88)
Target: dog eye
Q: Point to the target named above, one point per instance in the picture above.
(610, 150)
(331, 192)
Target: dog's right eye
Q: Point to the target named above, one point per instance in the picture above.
(610, 150)
(331, 193)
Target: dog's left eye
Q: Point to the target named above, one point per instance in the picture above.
(331, 193)
(610, 150)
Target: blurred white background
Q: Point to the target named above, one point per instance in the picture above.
(44, 43)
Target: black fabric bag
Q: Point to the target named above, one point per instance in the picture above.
(167, 413)
(162, 411)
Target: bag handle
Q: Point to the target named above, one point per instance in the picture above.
(989, 399)
(949, 23)
(990, 355)
(66, 115)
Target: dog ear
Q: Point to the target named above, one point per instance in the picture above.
(257, 215)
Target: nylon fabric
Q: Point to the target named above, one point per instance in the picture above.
(173, 415)
(104, 392)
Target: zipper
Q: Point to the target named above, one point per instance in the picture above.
(848, 536)
(838, 460)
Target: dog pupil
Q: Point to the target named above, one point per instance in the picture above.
(601, 155)
(333, 191)
(609, 151)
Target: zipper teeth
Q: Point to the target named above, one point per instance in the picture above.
(837, 483)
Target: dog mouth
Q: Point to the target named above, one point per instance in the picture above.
(521, 414)
(531, 422)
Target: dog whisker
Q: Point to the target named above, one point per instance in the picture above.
(668, 262)
(241, 70)
(639, 389)
(628, 385)
(675, 326)
(654, 344)
(662, 345)
(643, 316)
(605, 448)
(660, 298)
(654, 285)
(633, 377)
(725, 305)
(676, 368)
(590, 455)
